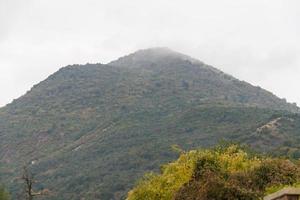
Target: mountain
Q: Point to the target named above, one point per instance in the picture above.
(90, 131)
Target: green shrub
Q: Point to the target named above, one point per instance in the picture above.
(220, 173)
(4, 195)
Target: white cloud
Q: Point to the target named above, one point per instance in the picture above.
(255, 40)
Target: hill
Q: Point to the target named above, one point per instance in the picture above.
(90, 131)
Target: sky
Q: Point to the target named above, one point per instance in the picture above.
(254, 40)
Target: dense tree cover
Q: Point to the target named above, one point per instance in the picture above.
(4, 195)
(221, 173)
(89, 131)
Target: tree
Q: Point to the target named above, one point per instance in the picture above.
(29, 182)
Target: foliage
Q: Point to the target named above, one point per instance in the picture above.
(4, 195)
(162, 187)
(220, 173)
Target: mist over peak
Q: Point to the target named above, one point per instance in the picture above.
(152, 55)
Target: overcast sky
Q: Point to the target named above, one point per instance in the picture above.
(255, 40)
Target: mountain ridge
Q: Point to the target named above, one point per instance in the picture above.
(149, 56)
(146, 58)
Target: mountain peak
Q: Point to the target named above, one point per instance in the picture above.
(158, 51)
(144, 57)
(162, 50)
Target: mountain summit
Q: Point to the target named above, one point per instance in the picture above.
(213, 82)
(89, 131)
(146, 57)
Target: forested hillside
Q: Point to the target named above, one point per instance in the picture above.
(90, 131)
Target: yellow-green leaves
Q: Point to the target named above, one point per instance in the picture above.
(228, 171)
(163, 186)
(3, 194)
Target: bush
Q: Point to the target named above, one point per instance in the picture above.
(221, 173)
(4, 194)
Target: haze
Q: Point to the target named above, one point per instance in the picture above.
(253, 40)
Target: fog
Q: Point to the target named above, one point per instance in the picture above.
(253, 40)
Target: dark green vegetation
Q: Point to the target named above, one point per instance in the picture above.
(225, 173)
(90, 131)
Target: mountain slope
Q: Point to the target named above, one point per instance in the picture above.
(198, 81)
(89, 131)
